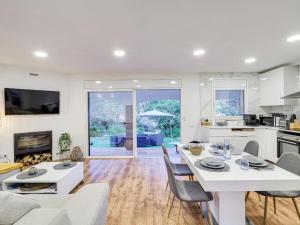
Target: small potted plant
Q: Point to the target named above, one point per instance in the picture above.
(64, 143)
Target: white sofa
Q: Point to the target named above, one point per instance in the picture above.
(88, 206)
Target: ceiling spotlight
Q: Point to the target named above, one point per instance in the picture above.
(135, 81)
(199, 52)
(119, 53)
(40, 54)
(139, 86)
(98, 82)
(250, 60)
(211, 79)
(172, 82)
(201, 84)
(110, 87)
(293, 38)
(263, 78)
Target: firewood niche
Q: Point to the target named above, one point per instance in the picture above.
(33, 147)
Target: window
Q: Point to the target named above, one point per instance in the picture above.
(229, 103)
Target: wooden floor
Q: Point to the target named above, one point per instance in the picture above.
(138, 195)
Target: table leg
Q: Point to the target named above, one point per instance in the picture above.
(228, 208)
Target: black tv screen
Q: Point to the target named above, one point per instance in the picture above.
(26, 102)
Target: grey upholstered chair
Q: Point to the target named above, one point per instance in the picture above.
(291, 162)
(179, 169)
(251, 148)
(186, 191)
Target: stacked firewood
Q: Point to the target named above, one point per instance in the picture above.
(35, 158)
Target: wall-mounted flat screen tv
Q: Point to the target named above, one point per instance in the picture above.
(27, 102)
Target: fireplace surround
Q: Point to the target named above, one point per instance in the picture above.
(33, 146)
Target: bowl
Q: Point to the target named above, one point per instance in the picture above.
(196, 149)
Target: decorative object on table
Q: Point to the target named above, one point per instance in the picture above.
(32, 171)
(67, 164)
(198, 164)
(25, 175)
(64, 143)
(216, 152)
(205, 122)
(76, 154)
(196, 149)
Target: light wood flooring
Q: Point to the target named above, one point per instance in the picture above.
(138, 195)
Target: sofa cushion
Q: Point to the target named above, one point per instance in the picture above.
(14, 206)
(88, 205)
(45, 216)
(50, 201)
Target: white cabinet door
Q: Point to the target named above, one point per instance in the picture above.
(272, 153)
(271, 87)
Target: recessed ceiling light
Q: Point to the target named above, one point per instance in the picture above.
(199, 52)
(211, 79)
(110, 87)
(139, 86)
(98, 82)
(173, 82)
(250, 60)
(119, 53)
(293, 38)
(263, 78)
(201, 84)
(40, 54)
(135, 81)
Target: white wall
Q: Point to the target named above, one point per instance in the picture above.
(196, 103)
(19, 78)
(73, 116)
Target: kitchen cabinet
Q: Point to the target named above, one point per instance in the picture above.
(239, 137)
(275, 84)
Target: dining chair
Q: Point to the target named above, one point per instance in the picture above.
(186, 191)
(290, 162)
(179, 169)
(251, 148)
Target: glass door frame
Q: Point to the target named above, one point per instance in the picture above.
(134, 132)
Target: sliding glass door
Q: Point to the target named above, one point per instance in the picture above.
(111, 123)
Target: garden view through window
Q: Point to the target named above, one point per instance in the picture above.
(111, 126)
(229, 103)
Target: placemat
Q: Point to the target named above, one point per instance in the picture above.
(25, 175)
(199, 166)
(61, 166)
(270, 166)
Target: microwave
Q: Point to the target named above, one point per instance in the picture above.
(266, 121)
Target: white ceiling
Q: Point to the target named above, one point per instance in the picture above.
(158, 35)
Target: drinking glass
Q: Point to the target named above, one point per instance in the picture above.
(244, 163)
(226, 149)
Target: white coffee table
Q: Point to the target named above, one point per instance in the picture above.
(62, 181)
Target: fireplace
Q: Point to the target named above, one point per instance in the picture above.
(33, 147)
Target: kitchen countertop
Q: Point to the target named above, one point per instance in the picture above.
(241, 127)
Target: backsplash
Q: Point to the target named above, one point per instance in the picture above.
(285, 109)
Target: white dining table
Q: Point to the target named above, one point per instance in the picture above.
(228, 188)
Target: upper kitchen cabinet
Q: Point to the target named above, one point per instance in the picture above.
(275, 84)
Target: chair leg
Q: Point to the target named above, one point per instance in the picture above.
(274, 204)
(266, 210)
(259, 197)
(167, 186)
(169, 198)
(247, 195)
(208, 215)
(171, 206)
(296, 206)
(178, 215)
